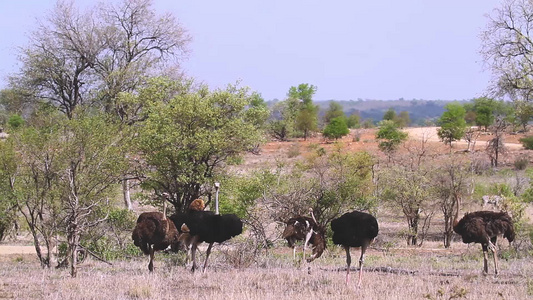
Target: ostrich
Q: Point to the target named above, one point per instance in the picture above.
(300, 228)
(354, 229)
(206, 226)
(153, 232)
(484, 227)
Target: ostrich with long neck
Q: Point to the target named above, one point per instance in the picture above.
(484, 227)
(206, 226)
(154, 232)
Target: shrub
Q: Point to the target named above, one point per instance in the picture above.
(527, 142)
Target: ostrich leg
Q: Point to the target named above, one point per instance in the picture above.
(207, 255)
(193, 253)
(361, 259)
(348, 263)
(485, 260)
(494, 254)
(307, 238)
(151, 264)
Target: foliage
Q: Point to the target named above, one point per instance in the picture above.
(186, 140)
(335, 110)
(336, 128)
(7, 199)
(390, 136)
(331, 184)
(409, 191)
(452, 123)
(15, 121)
(390, 115)
(67, 169)
(403, 119)
(527, 142)
(353, 121)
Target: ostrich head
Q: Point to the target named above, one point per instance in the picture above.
(197, 205)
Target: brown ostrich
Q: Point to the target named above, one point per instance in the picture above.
(354, 229)
(301, 228)
(154, 232)
(205, 226)
(484, 227)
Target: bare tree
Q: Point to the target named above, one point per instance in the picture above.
(450, 184)
(508, 47)
(496, 146)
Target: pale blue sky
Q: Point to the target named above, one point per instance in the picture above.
(350, 49)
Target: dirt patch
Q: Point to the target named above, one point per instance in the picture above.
(7, 250)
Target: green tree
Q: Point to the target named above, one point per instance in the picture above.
(523, 112)
(452, 123)
(335, 110)
(485, 109)
(186, 141)
(303, 92)
(403, 119)
(67, 170)
(354, 121)
(336, 128)
(306, 117)
(390, 115)
(7, 199)
(390, 137)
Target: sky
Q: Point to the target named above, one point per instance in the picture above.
(348, 49)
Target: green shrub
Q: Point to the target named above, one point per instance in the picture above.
(527, 142)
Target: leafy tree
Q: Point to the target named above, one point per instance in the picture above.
(452, 123)
(303, 92)
(354, 121)
(390, 137)
(67, 169)
(307, 120)
(186, 140)
(7, 199)
(403, 119)
(306, 117)
(484, 109)
(335, 110)
(390, 115)
(336, 128)
(524, 113)
(409, 190)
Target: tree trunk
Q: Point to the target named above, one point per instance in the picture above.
(126, 193)
(73, 241)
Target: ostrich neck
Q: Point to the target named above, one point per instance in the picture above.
(456, 215)
(164, 209)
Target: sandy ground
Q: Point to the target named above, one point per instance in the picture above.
(6, 250)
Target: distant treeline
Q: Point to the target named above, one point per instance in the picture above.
(421, 112)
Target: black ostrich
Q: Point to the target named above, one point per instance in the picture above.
(205, 226)
(301, 228)
(154, 232)
(354, 229)
(484, 227)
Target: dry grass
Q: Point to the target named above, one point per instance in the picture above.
(413, 273)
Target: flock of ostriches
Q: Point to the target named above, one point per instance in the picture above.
(185, 231)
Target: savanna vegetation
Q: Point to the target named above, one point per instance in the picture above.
(101, 123)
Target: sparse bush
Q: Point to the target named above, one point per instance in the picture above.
(527, 142)
(294, 151)
(521, 162)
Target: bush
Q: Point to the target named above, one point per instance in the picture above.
(527, 142)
